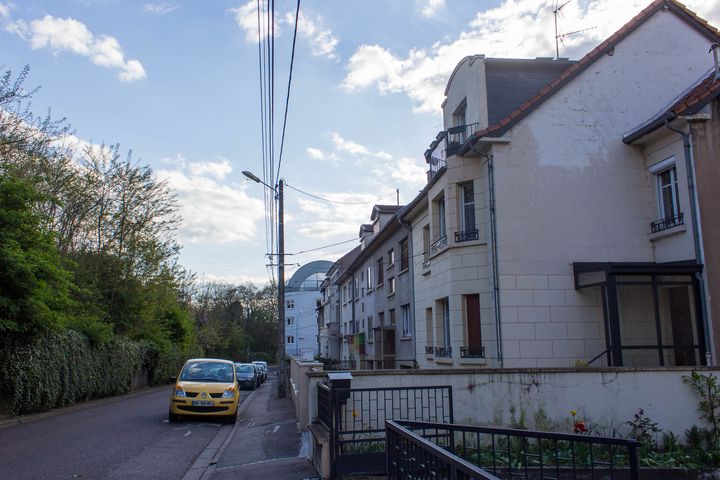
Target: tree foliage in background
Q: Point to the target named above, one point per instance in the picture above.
(88, 248)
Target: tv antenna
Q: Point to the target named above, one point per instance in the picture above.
(558, 36)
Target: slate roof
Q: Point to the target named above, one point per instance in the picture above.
(690, 102)
(511, 81)
(500, 127)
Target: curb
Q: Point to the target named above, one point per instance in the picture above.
(204, 466)
(34, 417)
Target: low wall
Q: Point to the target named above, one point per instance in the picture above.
(303, 390)
(605, 398)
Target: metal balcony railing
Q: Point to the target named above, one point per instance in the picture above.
(438, 244)
(446, 144)
(444, 352)
(466, 236)
(429, 350)
(472, 352)
(667, 222)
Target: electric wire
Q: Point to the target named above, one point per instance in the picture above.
(337, 201)
(287, 96)
(323, 247)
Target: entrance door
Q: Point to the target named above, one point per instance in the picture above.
(682, 326)
(389, 348)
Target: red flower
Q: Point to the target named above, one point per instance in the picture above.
(580, 428)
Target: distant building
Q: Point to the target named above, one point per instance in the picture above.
(302, 301)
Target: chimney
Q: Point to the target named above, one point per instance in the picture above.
(714, 49)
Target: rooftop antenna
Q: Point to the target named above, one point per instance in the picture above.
(559, 36)
(556, 12)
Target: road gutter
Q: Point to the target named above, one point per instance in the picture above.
(204, 466)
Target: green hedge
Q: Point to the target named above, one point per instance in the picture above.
(61, 368)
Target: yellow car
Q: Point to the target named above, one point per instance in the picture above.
(207, 387)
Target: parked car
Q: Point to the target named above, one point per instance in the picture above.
(264, 366)
(259, 371)
(205, 387)
(247, 376)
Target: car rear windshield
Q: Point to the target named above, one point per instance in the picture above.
(207, 372)
(244, 369)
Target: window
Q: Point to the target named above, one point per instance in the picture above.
(391, 285)
(404, 255)
(369, 279)
(406, 327)
(290, 339)
(459, 119)
(380, 271)
(318, 303)
(444, 326)
(290, 320)
(391, 258)
(290, 304)
(467, 211)
(370, 328)
(381, 319)
(344, 294)
(426, 241)
(667, 186)
(441, 229)
(392, 316)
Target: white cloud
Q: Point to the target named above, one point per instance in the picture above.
(516, 28)
(321, 39)
(348, 145)
(232, 279)
(212, 211)
(162, 8)
(69, 35)
(5, 10)
(430, 8)
(315, 153)
(406, 171)
(218, 170)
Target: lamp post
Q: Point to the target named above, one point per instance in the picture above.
(281, 280)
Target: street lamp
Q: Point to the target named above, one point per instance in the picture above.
(281, 280)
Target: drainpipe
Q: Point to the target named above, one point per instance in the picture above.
(493, 236)
(411, 274)
(696, 230)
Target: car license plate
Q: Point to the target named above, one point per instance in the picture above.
(202, 403)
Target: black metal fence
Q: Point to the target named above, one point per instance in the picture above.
(355, 419)
(532, 455)
(409, 456)
(380, 364)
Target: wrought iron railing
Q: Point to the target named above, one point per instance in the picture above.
(472, 352)
(438, 244)
(466, 236)
(445, 352)
(429, 350)
(410, 457)
(667, 222)
(527, 454)
(447, 143)
(426, 264)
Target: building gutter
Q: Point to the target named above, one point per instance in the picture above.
(493, 238)
(699, 258)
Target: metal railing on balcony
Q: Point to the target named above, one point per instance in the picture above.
(466, 236)
(438, 245)
(444, 352)
(667, 222)
(429, 350)
(447, 143)
(472, 352)
(457, 136)
(528, 454)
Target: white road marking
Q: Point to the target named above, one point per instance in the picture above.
(188, 433)
(165, 421)
(277, 427)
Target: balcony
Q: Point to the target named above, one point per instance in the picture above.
(472, 352)
(466, 236)
(667, 222)
(438, 245)
(429, 350)
(443, 352)
(446, 144)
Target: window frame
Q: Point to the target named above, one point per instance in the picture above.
(464, 203)
(404, 254)
(671, 170)
(406, 323)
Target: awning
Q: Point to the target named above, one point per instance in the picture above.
(591, 274)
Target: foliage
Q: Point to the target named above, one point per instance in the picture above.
(644, 430)
(708, 389)
(34, 285)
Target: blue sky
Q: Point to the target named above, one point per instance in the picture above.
(177, 82)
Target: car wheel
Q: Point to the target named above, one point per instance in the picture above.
(173, 417)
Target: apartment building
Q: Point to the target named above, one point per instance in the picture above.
(303, 300)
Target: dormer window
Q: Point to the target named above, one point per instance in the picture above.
(459, 119)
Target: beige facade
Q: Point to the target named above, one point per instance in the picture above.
(569, 194)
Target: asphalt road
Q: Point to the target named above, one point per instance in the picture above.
(125, 439)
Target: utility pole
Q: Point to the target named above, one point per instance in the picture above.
(281, 291)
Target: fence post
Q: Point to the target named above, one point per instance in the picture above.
(634, 464)
(450, 400)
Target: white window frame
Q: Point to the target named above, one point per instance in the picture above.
(290, 339)
(674, 194)
(442, 225)
(406, 327)
(290, 320)
(465, 202)
(391, 286)
(290, 304)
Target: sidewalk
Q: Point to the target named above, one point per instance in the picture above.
(266, 443)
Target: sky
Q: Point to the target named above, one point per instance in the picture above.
(177, 82)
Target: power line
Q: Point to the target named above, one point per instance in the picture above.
(323, 247)
(337, 201)
(287, 97)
